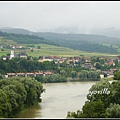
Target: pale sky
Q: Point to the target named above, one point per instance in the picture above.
(75, 16)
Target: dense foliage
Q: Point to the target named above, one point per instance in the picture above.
(89, 75)
(24, 39)
(51, 78)
(17, 93)
(85, 42)
(87, 46)
(93, 38)
(117, 75)
(24, 65)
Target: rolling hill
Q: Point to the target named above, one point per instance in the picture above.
(84, 42)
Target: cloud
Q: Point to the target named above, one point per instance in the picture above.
(54, 15)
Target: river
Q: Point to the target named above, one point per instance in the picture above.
(58, 99)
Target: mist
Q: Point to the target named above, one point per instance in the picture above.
(60, 16)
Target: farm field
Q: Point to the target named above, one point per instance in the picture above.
(47, 50)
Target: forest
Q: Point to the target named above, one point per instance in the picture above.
(24, 39)
(17, 94)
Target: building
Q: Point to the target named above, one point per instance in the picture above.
(12, 54)
(56, 59)
(23, 54)
(101, 75)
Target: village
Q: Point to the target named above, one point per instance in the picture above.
(91, 63)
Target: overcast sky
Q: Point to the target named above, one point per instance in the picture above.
(78, 16)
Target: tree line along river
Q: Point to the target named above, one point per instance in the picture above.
(58, 99)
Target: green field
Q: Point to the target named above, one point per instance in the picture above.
(47, 50)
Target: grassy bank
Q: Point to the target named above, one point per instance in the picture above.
(108, 79)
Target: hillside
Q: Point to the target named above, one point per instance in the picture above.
(95, 38)
(84, 42)
(24, 39)
(16, 31)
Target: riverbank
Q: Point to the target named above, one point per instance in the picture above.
(31, 109)
(108, 79)
(79, 80)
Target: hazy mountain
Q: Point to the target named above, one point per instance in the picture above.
(85, 42)
(110, 31)
(16, 30)
(79, 37)
(94, 38)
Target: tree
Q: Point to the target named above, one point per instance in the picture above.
(94, 109)
(74, 74)
(89, 75)
(17, 93)
(5, 106)
(63, 73)
(113, 111)
(101, 90)
(2, 49)
(38, 47)
(115, 92)
(97, 59)
(90, 110)
(117, 75)
(98, 65)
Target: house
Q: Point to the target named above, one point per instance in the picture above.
(101, 75)
(33, 74)
(20, 74)
(23, 54)
(10, 75)
(88, 65)
(45, 58)
(17, 47)
(6, 58)
(68, 61)
(110, 63)
(88, 59)
(76, 59)
(50, 58)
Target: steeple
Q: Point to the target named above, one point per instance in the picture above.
(12, 54)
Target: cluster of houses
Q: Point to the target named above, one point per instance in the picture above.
(56, 59)
(27, 74)
(74, 60)
(87, 64)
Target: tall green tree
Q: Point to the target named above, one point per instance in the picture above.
(113, 111)
(74, 74)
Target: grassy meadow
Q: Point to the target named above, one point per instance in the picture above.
(47, 50)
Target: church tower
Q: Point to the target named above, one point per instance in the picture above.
(12, 54)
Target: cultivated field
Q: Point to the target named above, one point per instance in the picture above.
(47, 50)
(61, 51)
